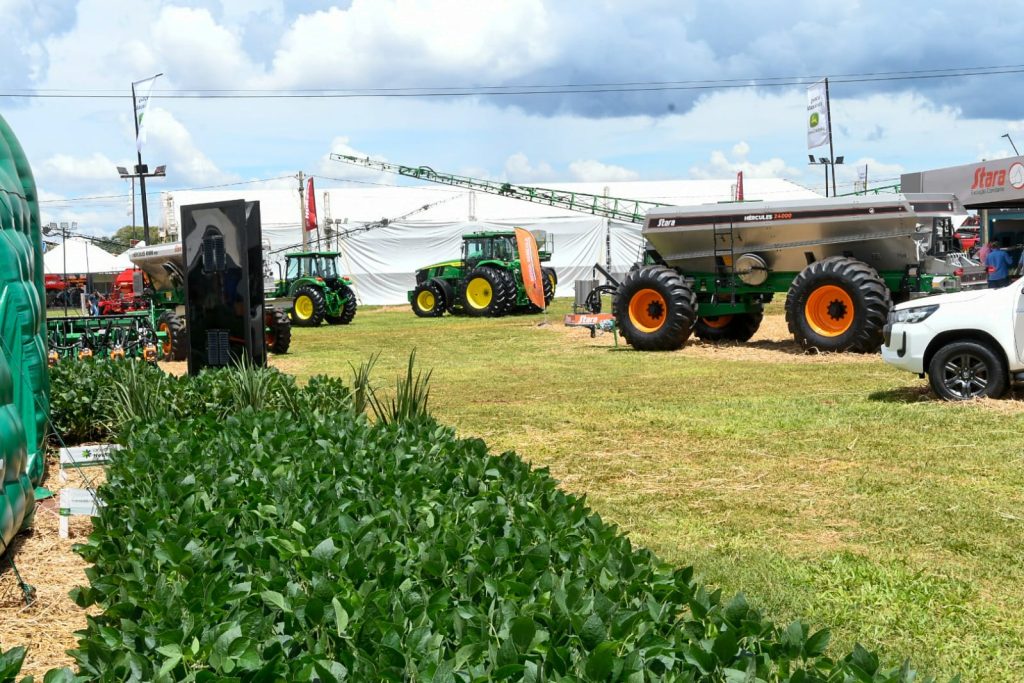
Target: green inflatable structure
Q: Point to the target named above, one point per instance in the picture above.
(24, 377)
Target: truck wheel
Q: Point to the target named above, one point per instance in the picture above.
(348, 309)
(175, 345)
(428, 301)
(654, 309)
(278, 330)
(838, 304)
(736, 327)
(967, 369)
(308, 309)
(485, 293)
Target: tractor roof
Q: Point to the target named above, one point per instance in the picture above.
(489, 233)
(296, 254)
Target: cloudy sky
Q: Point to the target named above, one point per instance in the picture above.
(713, 88)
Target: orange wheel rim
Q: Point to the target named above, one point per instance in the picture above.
(166, 346)
(717, 322)
(647, 310)
(829, 310)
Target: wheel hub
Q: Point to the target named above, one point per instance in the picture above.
(966, 376)
(655, 310)
(836, 310)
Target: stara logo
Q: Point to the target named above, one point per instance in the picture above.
(985, 179)
(814, 120)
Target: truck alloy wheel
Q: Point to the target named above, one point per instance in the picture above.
(967, 369)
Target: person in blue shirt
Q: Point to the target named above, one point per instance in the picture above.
(998, 262)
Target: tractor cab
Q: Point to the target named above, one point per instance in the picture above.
(488, 246)
(321, 264)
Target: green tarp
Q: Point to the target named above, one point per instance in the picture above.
(24, 380)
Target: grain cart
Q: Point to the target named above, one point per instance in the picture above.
(163, 265)
(709, 270)
(488, 280)
(317, 291)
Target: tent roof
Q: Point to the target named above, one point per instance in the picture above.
(83, 257)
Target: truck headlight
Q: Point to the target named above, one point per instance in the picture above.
(912, 315)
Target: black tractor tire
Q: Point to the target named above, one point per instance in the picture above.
(175, 347)
(550, 284)
(278, 330)
(963, 370)
(737, 327)
(838, 304)
(446, 289)
(348, 309)
(317, 307)
(428, 301)
(655, 309)
(485, 293)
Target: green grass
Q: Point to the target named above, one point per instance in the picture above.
(832, 488)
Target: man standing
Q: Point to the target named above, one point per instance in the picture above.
(998, 262)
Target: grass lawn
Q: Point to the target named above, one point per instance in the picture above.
(831, 487)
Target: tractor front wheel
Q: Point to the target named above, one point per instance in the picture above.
(309, 308)
(655, 309)
(348, 309)
(838, 304)
(175, 345)
(735, 327)
(486, 293)
(428, 301)
(278, 330)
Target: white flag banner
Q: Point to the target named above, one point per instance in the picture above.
(817, 115)
(142, 93)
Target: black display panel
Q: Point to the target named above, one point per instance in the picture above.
(222, 247)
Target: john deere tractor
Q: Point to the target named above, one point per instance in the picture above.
(317, 291)
(486, 282)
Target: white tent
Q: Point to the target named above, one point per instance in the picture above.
(382, 262)
(83, 258)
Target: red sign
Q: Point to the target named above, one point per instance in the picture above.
(310, 206)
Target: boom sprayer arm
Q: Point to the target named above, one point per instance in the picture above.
(625, 210)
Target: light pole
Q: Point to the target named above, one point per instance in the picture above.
(826, 162)
(141, 171)
(1007, 136)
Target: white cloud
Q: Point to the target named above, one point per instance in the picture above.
(720, 166)
(196, 50)
(65, 167)
(518, 169)
(170, 140)
(590, 170)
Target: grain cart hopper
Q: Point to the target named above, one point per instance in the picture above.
(488, 280)
(163, 265)
(710, 269)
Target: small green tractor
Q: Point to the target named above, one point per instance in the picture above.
(318, 293)
(486, 282)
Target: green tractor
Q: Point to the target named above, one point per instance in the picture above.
(317, 291)
(487, 282)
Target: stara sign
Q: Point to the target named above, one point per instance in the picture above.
(990, 179)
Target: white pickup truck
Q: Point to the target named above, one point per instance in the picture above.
(970, 343)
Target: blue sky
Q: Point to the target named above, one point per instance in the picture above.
(100, 46)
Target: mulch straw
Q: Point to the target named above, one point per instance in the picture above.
(49, 565)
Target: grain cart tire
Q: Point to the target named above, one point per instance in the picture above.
(308, 308)
(654, 309)
(735, 327)
(485, 293)
(838, 304)
(550, 284)
(348, 309)
(175, 346)
(428, 301)
(963, 370)
(278, 330)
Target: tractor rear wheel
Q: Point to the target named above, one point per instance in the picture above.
(550, 284)
(175, 345)
(838, 304)
(486, 293)
(428, 301)
(655, 309)
(348, 309)
(735, 327)
(278, 330)
(309, 308)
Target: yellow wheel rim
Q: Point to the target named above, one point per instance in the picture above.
(165, 328)
(478, 293)
(717, 322)
(554, 282)
(829, 311)
(425, 301)
(647, 310)
(304, 307)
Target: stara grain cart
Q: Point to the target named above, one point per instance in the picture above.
(710, 269)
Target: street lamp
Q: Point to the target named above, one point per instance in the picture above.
(1007, 136)
(826, 162)
(141, 171)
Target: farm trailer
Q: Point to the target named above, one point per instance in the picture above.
(708, 270)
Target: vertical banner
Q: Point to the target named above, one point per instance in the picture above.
(739, 186)
(311, 222)
(862, 177)
(143, 90)
(529, 263)
(817, 115)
